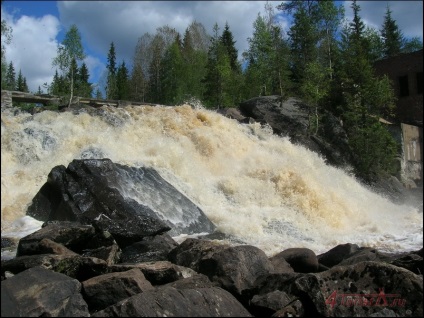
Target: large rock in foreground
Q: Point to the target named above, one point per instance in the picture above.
(171, 302)
(130, 203)
(40, 292)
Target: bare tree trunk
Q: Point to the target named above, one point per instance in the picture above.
(281, 88)
(316, 116)
(72, 88)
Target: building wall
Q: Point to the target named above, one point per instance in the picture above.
(406, 73)
(412, 142)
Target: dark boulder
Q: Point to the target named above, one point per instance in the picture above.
(235, 268)
(46, 246)
(110, 254)
(192, 282)
(302, 260)
(269, 304)
(129, 203)
(337, 254)
(152, 248)
(171, 302)
(102, 291)
(157, 273)
(386, 284)
(72, 235)
(39, 292)
(191, 251)
(411, 261)
(87, 192)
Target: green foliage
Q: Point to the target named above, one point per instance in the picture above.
(83, 87)
(21, 84)
(137, 84)
(10, 83)
(171, 77)
(392, 37)
(122, 84)
(6, 38)
(315, 86)
(364, 99)
(229, 43)
(220, 79)
(375, 148)
(412, 45)
(111, 88)
(68, 54)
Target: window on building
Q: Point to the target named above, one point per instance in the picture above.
(419, 82)
(403, 86)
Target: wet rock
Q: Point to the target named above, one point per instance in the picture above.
(302, 260)
(200, 302)
(47, 294)
(105, 290)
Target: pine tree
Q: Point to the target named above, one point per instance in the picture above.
(365, 98)
(172, 75)
(25, 86)
(84, 87)
(137, 84)
(218, 74)
(392, 36)
(122, 82)
(195, 54)
(58, 85)
(6, 38)
(229, 43)
(156, 51)
(20, 83)
(10, 78)
(259, 58)
(98, 94)
(111, 89)
(411, 45)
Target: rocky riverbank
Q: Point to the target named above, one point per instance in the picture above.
(70, 269)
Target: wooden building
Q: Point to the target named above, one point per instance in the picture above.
(406, 74)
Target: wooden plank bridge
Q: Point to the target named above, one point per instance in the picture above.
(8, 97)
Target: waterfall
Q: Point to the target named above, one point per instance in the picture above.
(253, 185)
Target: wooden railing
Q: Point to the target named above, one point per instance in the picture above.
(15, 96)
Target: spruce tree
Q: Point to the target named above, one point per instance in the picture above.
(392, 36)
(111, 89)
(20, 83)
(84, 87)
(137, 84)
(194, 53)
(10, 78)
(6, 38)
(172, 75)
(218, 74)
(364, 98)
(122, 92)
(229, 44)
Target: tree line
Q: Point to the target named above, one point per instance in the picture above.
(322, 58)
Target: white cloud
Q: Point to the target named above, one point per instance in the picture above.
(123, 22)
(407, 14)
(33, 47)
(100, 22)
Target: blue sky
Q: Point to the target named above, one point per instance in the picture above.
(39, 26)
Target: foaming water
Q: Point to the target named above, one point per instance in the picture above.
(251, 184)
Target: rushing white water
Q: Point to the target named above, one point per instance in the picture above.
(251, 184)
